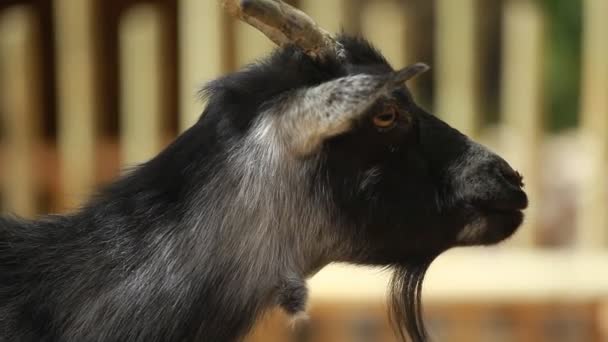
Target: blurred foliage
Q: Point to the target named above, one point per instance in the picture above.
(563, 56)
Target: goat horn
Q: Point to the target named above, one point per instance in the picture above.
(284, 24)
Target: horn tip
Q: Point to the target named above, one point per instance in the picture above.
(421, 67)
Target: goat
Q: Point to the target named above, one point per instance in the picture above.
(313, 155)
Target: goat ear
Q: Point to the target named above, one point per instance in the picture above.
(314, 114)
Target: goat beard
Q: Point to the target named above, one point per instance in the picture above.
(405, 304)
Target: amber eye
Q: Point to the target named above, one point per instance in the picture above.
(386, 118)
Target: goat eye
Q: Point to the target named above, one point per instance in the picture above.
(386, 118)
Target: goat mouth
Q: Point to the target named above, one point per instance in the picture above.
(489, 226)
(510, 202)
(503, 218)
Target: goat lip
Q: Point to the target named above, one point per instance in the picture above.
(490, 227)
(501, 224)
(515, 203)
(502, 210)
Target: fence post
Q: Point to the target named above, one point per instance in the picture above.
(592, 223)
(521, 99)
(74, 30)
(250, 44)
(329, 14)
(384, 23)
(201, 46)
(456, 67)
(19, 106)
(140, 81)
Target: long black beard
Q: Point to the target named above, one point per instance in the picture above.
(405, 299)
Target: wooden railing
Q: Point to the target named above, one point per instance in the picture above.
(56, 97)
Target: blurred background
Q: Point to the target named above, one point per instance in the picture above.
(89, 87)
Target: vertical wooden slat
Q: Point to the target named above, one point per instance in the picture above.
(250, 44)
(140, 74)
(456, 67)
(383, 22)
(201, 39)
(592, 225)
(19, 106)
(521, 98)
(329, 14)
(73, 21)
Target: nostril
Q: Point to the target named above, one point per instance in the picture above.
(512, 176)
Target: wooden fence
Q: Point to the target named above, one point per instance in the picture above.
(90, 86)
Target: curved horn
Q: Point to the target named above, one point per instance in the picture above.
(284, 24)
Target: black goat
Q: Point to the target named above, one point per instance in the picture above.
(300, 160)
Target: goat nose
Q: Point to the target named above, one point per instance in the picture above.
(511, 176)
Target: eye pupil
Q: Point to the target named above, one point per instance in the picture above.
(386, 118)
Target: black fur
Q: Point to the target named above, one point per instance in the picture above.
(293, 295)
(130, 266)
